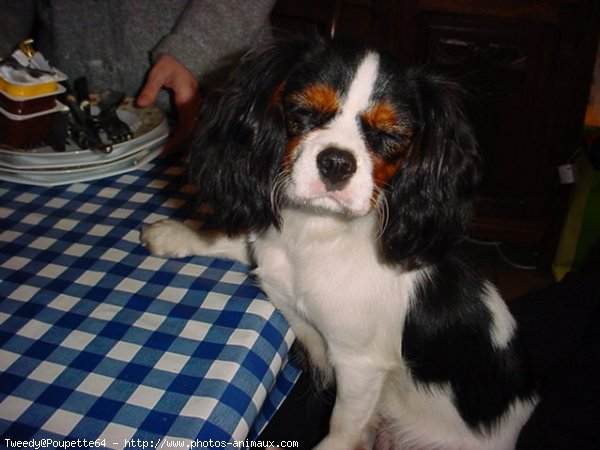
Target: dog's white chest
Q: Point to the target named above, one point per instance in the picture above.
(327, 270)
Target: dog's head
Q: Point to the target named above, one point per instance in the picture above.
(340, 129)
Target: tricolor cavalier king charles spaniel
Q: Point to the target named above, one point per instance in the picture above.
(347, 179)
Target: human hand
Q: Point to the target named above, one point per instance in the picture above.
(170, 74)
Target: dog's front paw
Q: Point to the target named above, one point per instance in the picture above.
(169, 239)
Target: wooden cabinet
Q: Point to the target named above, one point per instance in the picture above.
(527, 65)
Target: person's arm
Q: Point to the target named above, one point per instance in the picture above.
(210, 31)
(17, 23)
(206, 34)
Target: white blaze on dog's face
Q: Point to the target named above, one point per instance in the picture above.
(331, 162)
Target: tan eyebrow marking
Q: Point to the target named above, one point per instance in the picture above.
(384, 116)
(317, 96)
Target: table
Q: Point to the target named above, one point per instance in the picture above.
(101, 340)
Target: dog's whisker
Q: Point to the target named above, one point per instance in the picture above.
(383, 210)
(277, 190)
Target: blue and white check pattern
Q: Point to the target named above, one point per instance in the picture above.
(101, 340)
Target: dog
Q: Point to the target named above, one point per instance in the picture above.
(347, 179)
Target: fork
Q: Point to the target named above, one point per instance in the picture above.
(107, 118)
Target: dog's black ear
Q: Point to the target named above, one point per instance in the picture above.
(238, 148)
(430, 198)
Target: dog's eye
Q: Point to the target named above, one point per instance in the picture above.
(301, 119)
(387, 143)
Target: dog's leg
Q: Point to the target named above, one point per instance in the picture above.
(277, 278)
(171, 239)
(315, 346)
(359, 383)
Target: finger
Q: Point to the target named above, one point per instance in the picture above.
(150, 90)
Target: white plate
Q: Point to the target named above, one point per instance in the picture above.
(86, 158)
(78, 175)
(110, 159)
(147, 124)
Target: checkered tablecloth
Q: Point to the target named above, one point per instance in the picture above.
(101, 340)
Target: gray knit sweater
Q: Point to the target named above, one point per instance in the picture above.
(114, 42)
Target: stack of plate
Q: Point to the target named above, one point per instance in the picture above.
(42, 166)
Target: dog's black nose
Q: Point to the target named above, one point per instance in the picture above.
(336, 165)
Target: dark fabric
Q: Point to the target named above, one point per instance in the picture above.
(554, 321)
(561, 328)
(568, 416)
(303, 417)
